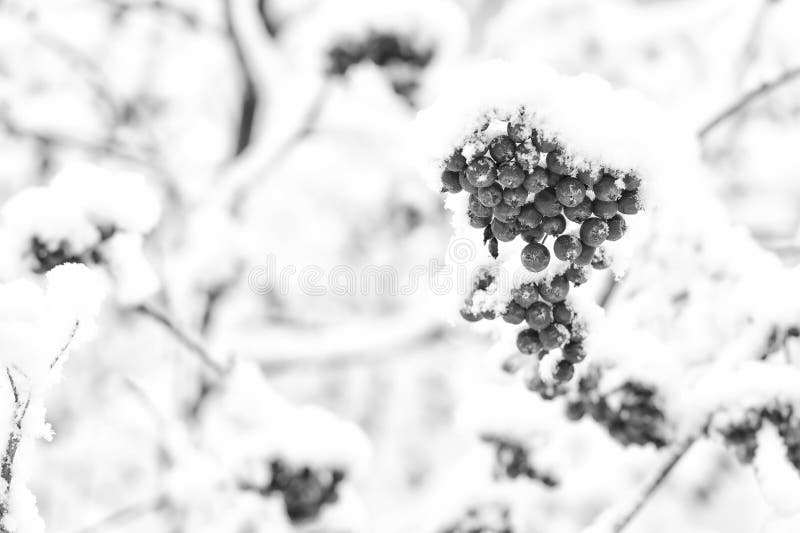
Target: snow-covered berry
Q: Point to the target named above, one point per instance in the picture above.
(528, 342)
(616, 227)
(554, 225)
(515, 197)
(555, 290)
(510, 174)
(502, 149)
(539, 315)
(535, 257)
(570, 192)
(567, 247)
(606, 189)
(629, 203)
(594, 232)
(481, 172)
(490, 196)
(580, 212)
(547, 203)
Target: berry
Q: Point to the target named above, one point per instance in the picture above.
(555, 290)
(489, 314)
(533, 234)
(465, 184)
(580, 212)
(575, 410)
(616, 227)
(558, 162)
(493, 247)
(505, 212)
(528, 342)
(587, 177)
(570, 192)
(529, 216)
(479, 222)
(574, 352)
(536, 181)
(469, 315)
(490, 196)
(630, 203)
(562, 313)
(481, 172)
(502, 149)
(515, 197)
(554, 225)
(450, 181)
(518, 131)
(514, 313)
(525, 294)
(477, 208)
(632, 182)
(502, 231)
(510, 174)
(606, 189)
(567, 247)
(553, 178)
(603, 209)
(563, 371)
(578, 275)
(577, 332)
(539, 315)
(594, 231)
(586, 256)
(600, 260)
(543, 144)
(456, 162)
(535, 257)
(527, 156)
(547, 203)
(554, 336)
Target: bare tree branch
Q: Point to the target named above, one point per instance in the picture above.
(746, 99)
(65, 347)
(249, 94)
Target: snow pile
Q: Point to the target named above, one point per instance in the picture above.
(87, 215)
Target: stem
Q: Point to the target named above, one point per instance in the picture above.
(189, 341)
(747, 98)
(249, 94)
(12, 445)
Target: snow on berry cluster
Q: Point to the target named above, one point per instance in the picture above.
(401, 38)
(84, 215)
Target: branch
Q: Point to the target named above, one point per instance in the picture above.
(128, 512)
(250, 95)
(12, 444)
(65, 347)
(194, 345)
(747, 98)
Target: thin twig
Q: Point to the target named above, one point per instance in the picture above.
(194, 345)
(12, 444)
(127, 512)
(747, 98)
(611, 288)
(65, 347)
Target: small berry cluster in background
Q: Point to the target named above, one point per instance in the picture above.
(484, 518)
(512, 461)
(304, 490)
(741, 435)
(523, 184)
(401, 57)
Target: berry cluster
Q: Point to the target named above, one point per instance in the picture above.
(524, 184)
(386, 50)
(486, 518)
(304, 490)
(512, 460)
(630, 412)
(47, 256)
(741, 436)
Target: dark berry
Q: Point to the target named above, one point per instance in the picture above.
(606, 189)
(558, 162)
(543, 143)
(514, 313)
(587, 177)
(529, 216)
(539, 315)
(555, 290)
(525, 294)
(533, 234)
(492, 246)
(515, 197)
(450, 181)
(505, 212)
(562, 313)
(578, 275)
(567, 247)
(553, 179)
(502, 149)
(554, 336)
(594, 231)
(465, 184)
(518, 131)
(535, 257)
(574, 352)
(456, 162)
(536, 181)
(563, 371)
(632, 182)
(489, 314)
(616, 227)
(479, 222)
(477, 208)
(575, 410)
(603, 209)
(502, 231)
(547, 203)
(527, 156)
(554, 225)
(510, 175)
(580, 212)
(481, 172)
(469, 315)
(601, 260)
(630, 203)
(490, 196)
(578, 332)
(570, 192)
(528, 342)
(586, 256)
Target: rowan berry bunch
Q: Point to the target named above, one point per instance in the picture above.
(400, 56)
(485, 518)
(48, 255)
(741, 434)
(512, 460)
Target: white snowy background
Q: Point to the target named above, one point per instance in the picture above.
(186, 151)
